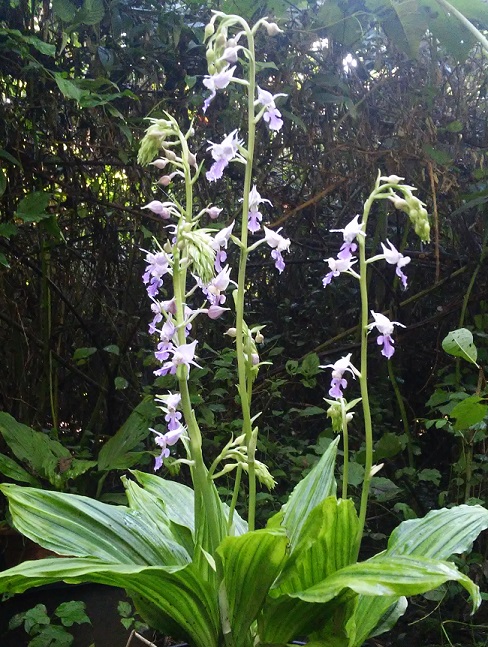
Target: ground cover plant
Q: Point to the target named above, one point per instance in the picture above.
(192, 565)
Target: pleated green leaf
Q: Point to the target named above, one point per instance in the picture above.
(78, 526)
(179, 501)
(250, 564)
(440, 534)
(395, 576)
(314, 488)
(327, 543)
(178, 592)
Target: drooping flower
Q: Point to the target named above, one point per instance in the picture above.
(182, 355)
(164, 441)
(157, 266)
(338, 381)
(385, 327)
(170, 404)
(272, 116)
(394, 257)
(254, 215)
(159, 208)
(219, 244)
(213, 212)
(350, 232)
(213, 290)
(278, 245)
(223, 154)
(337, 266)
(217, 81)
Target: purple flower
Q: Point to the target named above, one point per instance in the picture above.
(157, 267)
(254, 215)
(338, 381)
(170, 404)
(278, 244)
(394, 257)
(272, 116)
(337, 266)
(219, 244)
(220, 283)
(159, 208)
(182, 356)
(222, 154)
(350, 232)
(216, 82)
(165, 441)
(214, 312)
(213, 212)
(385, 327)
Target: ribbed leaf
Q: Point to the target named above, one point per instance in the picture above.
(440, 534)
(310, 491)
(153, 512)
(12, 470)
(178, 592)
(326, 544)
(179, 501)
(75, 525)
(250, 565)
(386, 575)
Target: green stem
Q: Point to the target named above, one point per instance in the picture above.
(363, 379)
(345, 436)
(403, 414)
(241, 360)
(235, 494)
(468, 24)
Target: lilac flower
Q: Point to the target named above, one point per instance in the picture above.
(216, 82)
(394, 257)
(165, 441)
(223, 154)
(337, 266)
(272, 116)
(254, 215)
(350, 232)
(385, 327)
(278, 244)
(170, 404)
(213, 212)
(217, 285)
(214, 312)
(182, 356)
(219, 244)
(159, 208)
(338, 381)
(157, 267)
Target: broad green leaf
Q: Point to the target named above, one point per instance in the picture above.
(327, 543)
(460, 344)
(8, 229)
(68, 88)
(440, 534)
(84, 352)
(314, 488)
(115, 454)
(14, 471)
(120, 383)
(250, 564)
(469, 412)
(91, 12)
(178, 593)
(69, 524)
(33, 207)
(112, 348)
(6, 155)
(64, 9)
(437, 155)
(179, 501)
(390, 576)
(146, 504)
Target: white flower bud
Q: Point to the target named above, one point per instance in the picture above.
(232, 332)
(259, 338)
(272, 28)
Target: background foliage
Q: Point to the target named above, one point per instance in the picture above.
(372, 84)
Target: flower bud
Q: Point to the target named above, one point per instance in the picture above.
(160, 163)
(210, 55)
(192, 160)
(220, 40)
(170, 155)
(232, 332)
(272, 28)
(254, 359)
(165, 180)
(209, 30)
(259, 338)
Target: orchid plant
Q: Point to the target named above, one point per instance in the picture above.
(193, 566)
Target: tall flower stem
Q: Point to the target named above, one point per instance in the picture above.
(205, 504)
(363, 379)
(241, 359)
